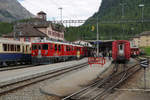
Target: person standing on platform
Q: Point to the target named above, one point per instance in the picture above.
(78, 55)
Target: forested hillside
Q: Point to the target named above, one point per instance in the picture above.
(114, 11)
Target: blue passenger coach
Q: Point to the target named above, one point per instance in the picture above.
(14, 52)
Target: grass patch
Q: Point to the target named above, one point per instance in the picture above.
(146, 50)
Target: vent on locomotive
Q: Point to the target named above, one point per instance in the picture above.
(121, 49)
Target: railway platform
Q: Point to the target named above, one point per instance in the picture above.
(75, 81)
(13, 76)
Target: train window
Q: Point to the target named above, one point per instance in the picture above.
(23, 48)
(12, 47)
(55, 47)
(68, 48)
(45, 46)
(18, 47)
(5, 47)
(34, 47)
(26, 48)
(39, 47)
(120, 47)
(59, 47)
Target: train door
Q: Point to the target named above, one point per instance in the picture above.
(51, 49)
(59, 50)
(56, 50)
(39, 48)
(45, 48)
(121, 49)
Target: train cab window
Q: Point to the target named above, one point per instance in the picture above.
(45, 46)
(5, 47)
(18, 47)
(55, 47)
(120, 47)
(34, 47)
(59, 47)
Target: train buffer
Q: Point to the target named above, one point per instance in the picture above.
(96, 60)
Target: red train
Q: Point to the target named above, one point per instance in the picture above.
(121, 51)
(52, 51)
(135, 51)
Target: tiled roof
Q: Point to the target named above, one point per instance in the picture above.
(41, 12)
(26, 30)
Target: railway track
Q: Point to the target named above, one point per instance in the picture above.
(16, 67)
(102, 88)
(6, 88)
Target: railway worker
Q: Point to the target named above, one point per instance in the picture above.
(109, 54)
(78, 55)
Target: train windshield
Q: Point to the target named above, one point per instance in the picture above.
(45, 46)
(34, 47)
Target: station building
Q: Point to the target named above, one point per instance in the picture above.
(36, 29)
(142, 40)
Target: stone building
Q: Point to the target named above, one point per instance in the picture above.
(36, 29)
(142, 40)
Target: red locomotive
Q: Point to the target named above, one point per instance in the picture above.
(52, 51)
(121, 51)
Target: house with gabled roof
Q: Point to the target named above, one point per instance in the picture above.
(37, 29)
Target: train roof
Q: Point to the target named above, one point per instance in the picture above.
(8, 41)
(4, 40)
(57, 42)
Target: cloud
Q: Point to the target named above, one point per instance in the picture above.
(72, 9)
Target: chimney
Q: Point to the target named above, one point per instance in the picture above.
(41, 15)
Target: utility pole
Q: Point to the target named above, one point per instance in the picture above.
(14, 30)
(122, 14)
(97, 38)
(142, 19)
(61, 14)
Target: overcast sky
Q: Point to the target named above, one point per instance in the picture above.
(72, 9)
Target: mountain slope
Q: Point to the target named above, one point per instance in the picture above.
(11, 10)
(111, 11)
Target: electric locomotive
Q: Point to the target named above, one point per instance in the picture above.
(53, 51)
